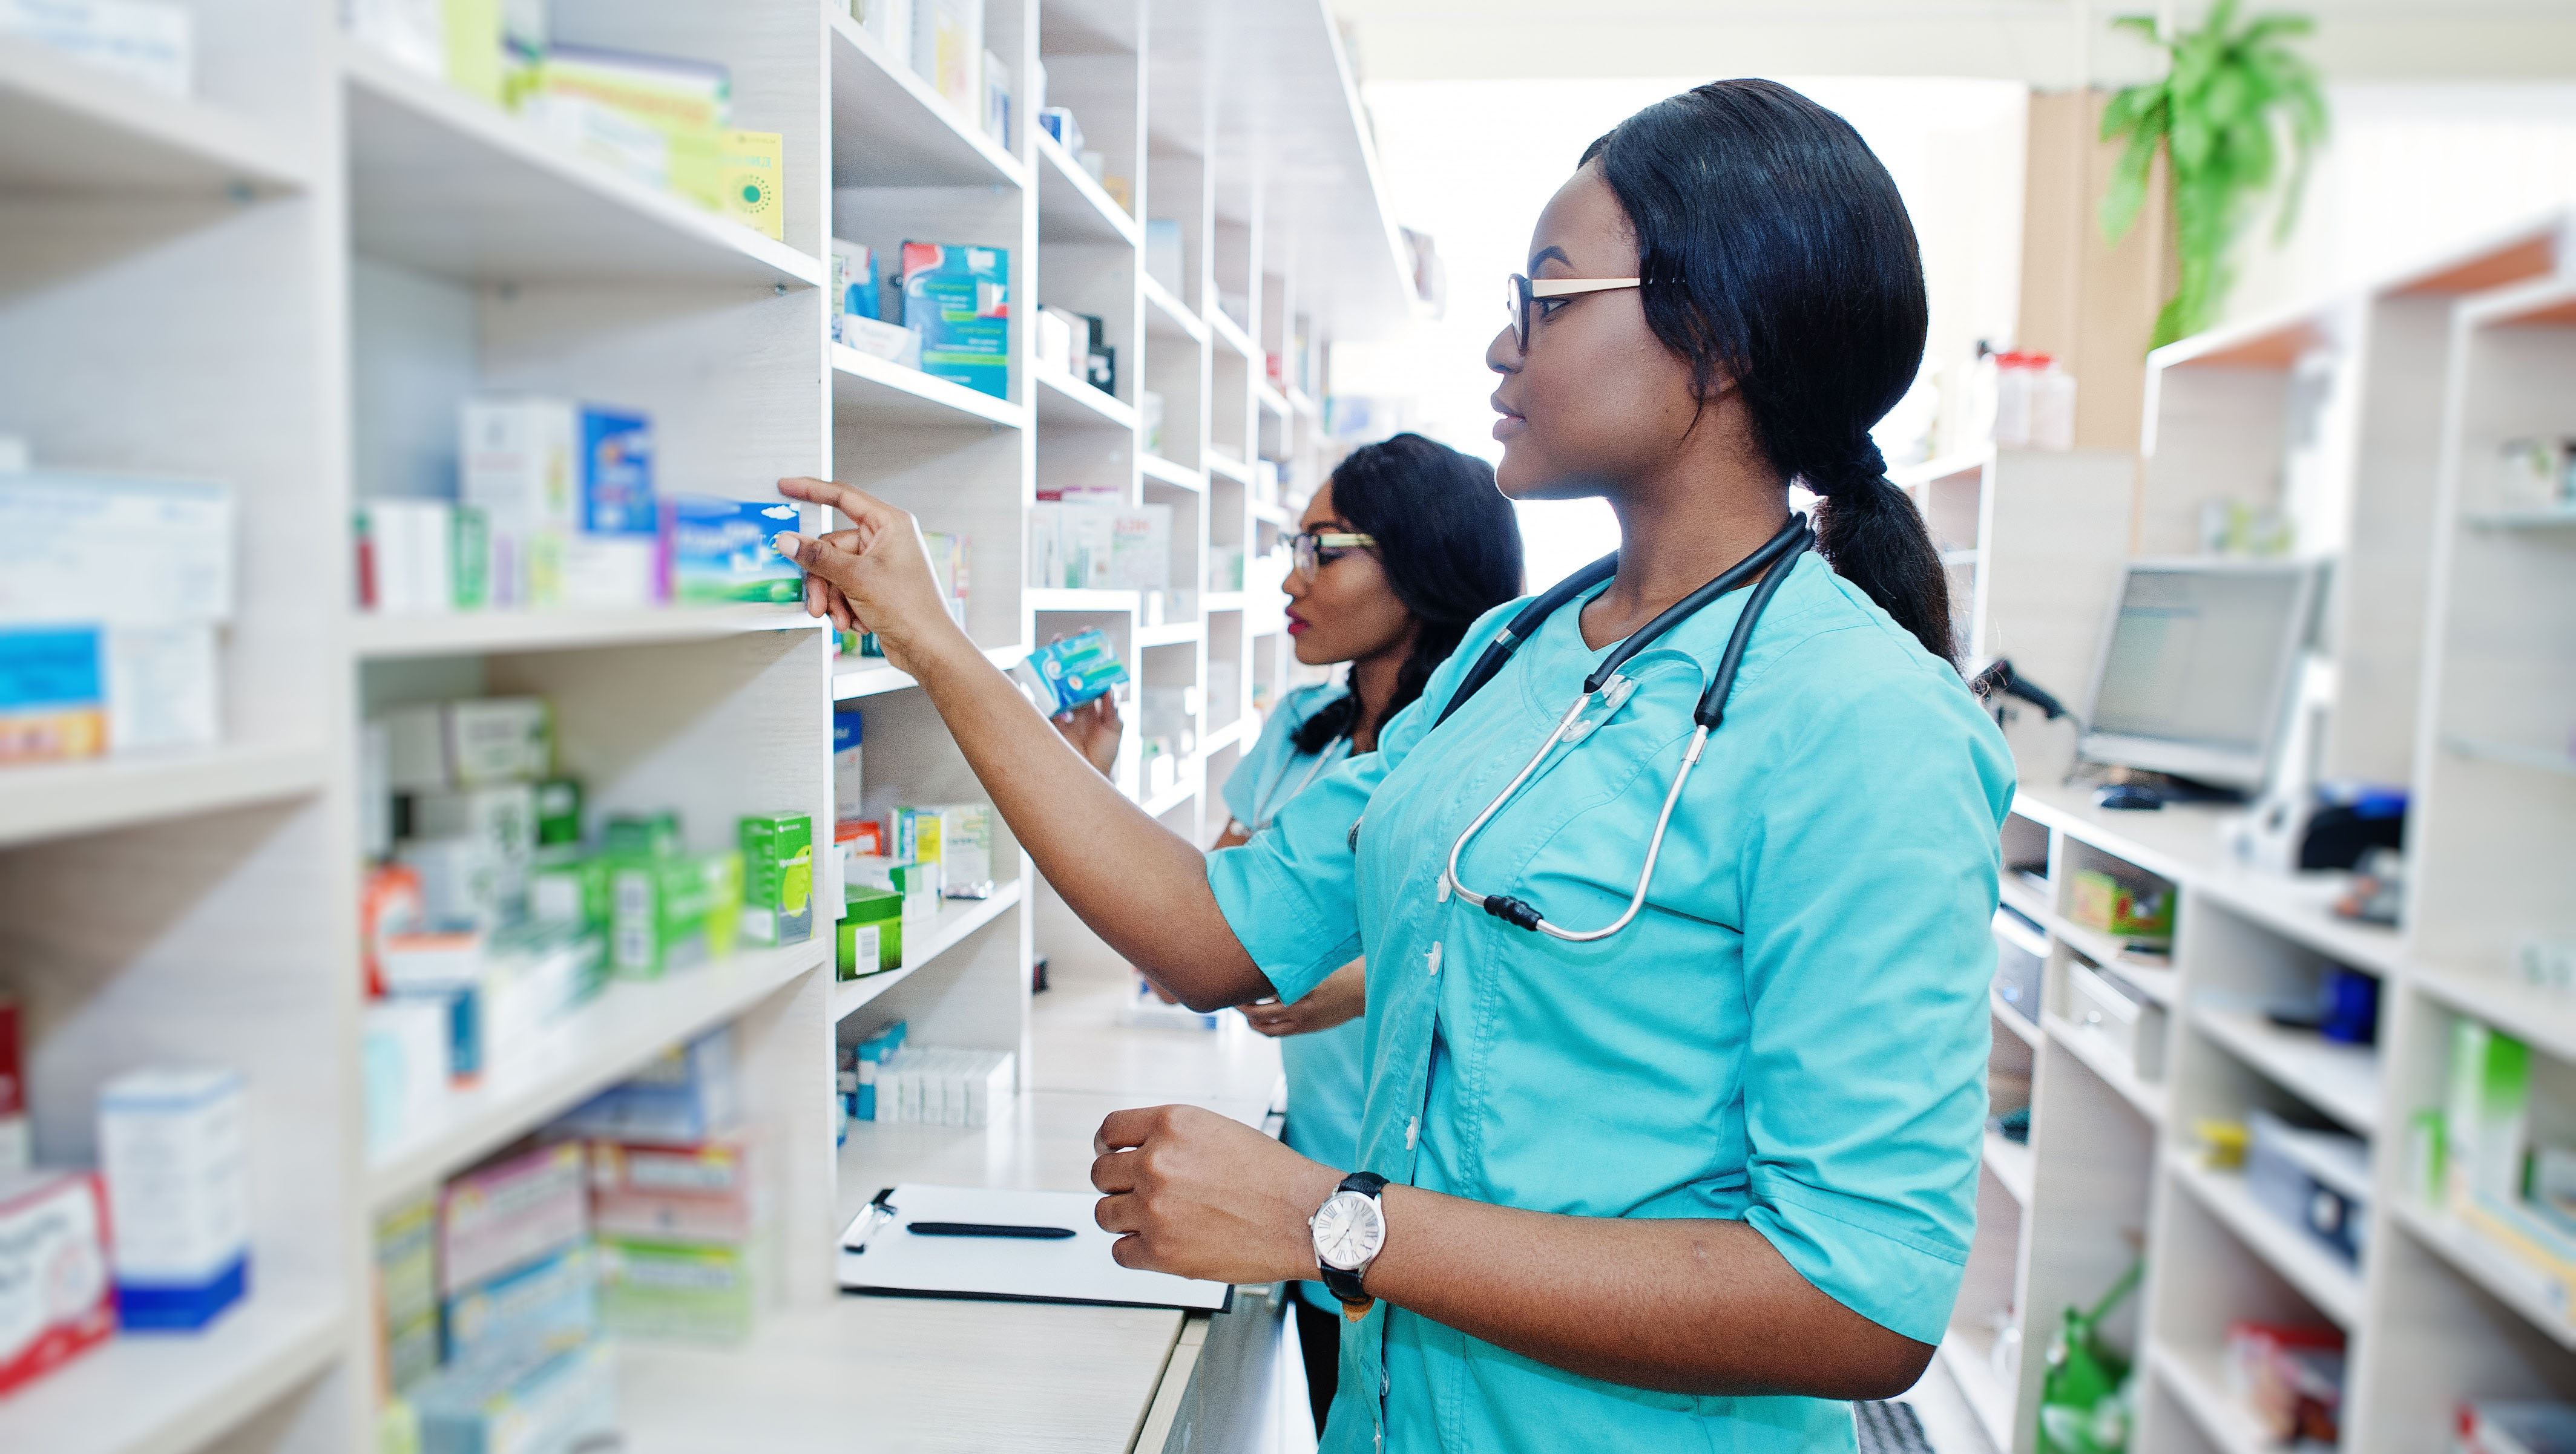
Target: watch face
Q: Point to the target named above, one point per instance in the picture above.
(1349, 1230)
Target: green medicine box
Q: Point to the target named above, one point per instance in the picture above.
(778, 878)
(672, 912)
(644, 835)
(871, 932)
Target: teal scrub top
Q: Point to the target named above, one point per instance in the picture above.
(1793, 1032)
(1323, 1069)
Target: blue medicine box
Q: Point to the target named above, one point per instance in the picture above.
(724, 550)
(959, 298)
(617, 473)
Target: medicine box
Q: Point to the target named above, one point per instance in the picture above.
(1075, 670)
(502, 817)
(146, 41)
(73, 691)
(545, 1307)
(915, 831)
(558, 812)
(674, 912)
(749, 175)
(530, 1405)
(870, 933)
(699, 1291)
(723, 551)
(919, 884)
(170, 1147)
(849, 761)
(405, 1055)
(644, 835)
(658, 119)
(510, 1213)
(943, 1087)
(896, 343)
(869, 1057)
(406, 1292)
(53, 693)
(463, 882)
(966, 850)
(854, 279)
(2137, 914)
(2317, 1181)
(617, 474)
(702, 1193)
(55, 1295)
(778, 878)
(474, 742)
(685, 1096)
(114, 549)
(958, 297)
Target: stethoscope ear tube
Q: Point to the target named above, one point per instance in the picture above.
(1500, 649)
(1712, 703)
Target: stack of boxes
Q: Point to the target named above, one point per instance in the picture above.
(681, 1221)
(946, 310)
(884, 1079)
(929, 854)
(1091, 539)
(943, 42)
(114, 591)
(666, 122)
(2486, 1157)
(556, 505)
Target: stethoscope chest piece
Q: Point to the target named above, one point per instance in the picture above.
(1606, 691)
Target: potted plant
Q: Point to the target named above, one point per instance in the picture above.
(2227, 96)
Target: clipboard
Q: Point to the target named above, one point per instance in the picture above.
(879, 1255)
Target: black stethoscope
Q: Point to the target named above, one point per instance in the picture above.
(1612, 690)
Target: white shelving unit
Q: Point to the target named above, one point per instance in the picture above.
(2373, 420)
(362, 247)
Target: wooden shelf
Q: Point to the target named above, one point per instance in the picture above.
(1969, 1352)
(2323, 1278)
(2013, 1020)
(2340, 1080)
(468, 633)
(1071, 206)
(2561, 517)
(935, 936)
(447, 183)
(1043, 599)
(2200, 1388)
(1167, 316)
(2503, 1276)
(2545, 1019)
(854, 677)
(2145, 1098)
(1179, 477)
(890, 129)
(884, 394)
(1230, 333)
(589, 1050)
(1066, 402)
(2482, 749)
(1177, 633)
(2012, 1165)
(70, 127)
(168, 1393)
(55, 799)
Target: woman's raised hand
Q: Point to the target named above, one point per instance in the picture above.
(874, 576)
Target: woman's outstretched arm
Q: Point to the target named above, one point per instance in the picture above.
(1138, 885)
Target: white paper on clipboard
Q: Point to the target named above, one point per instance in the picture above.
(1077, 1269)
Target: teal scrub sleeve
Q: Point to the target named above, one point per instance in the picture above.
(1868, 892)
(1291, 895)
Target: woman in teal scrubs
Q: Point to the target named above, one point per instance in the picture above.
(1400, 551)
(1696, 1184)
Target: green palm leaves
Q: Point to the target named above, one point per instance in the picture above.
(2218, 113)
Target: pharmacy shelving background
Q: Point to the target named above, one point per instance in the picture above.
(288, 279)
(2375, 419)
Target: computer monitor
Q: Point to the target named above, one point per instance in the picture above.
(2196, 668)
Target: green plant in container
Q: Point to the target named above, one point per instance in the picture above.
(2219, 115)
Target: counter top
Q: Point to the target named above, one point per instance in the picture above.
(930, 1374)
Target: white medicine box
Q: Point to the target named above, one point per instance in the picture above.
(2119, 1013)
(178, 1193)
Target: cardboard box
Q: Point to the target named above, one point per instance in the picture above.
(510, 1213)
(778, 878)
(149, 42)
(870, 934)
(53, 693)
(959, 297)
(406, 1293)
(170, 1147)
(687, 1095)
(751, 177)
(708, 1192)
(546, 1307)
(616, 480)
(530, 1405)
(672, 912)
(723, 551)
(698, 1291)
(56, 1299)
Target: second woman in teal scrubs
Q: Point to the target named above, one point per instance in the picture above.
(1697, 1184)
(1398, 554)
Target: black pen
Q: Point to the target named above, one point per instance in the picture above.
(987, 1229)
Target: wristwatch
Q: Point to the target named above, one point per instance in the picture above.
(1350, 1230)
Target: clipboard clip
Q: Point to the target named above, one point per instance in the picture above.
(879, 1214)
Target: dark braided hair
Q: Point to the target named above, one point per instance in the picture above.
(1777, 252)
(1451, 547)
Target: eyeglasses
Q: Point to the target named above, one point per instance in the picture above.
(1313, 551)
(1523, 293)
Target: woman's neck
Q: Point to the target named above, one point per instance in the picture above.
(1373, 682)
(1681, 531)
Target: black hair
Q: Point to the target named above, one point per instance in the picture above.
(1451, 547)
(1777, 252)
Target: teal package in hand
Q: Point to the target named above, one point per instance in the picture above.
(1076, 669)
(726, 550)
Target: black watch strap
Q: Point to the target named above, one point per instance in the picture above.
(1346, 1285)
